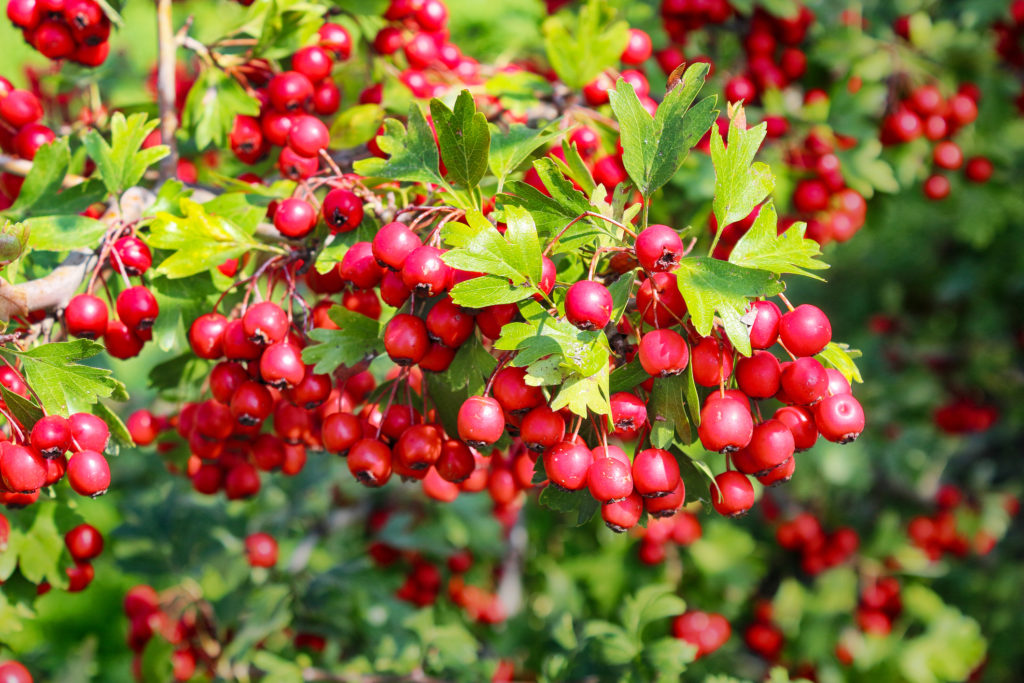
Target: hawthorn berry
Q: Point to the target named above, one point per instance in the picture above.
(663, 353)
(342, 210)
(732, 494)
(86, 316)
(588, 305)
(481, 421)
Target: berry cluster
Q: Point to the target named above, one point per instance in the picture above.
(290, 103)
(774, 58)
(682, 529)
(879, 605)
(955, 527)
(416, 38)
(78, 30)
(706, 631)
(87, 316)
(147, 617)
(818, 550)
(925, 112)
(21, 134)
(37, 459)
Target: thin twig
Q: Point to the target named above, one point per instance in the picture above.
(166, 87)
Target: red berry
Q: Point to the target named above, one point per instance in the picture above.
(588, 305)
(567, 464)
(88, 432)
(86, 316)
(289, 91)
(629, 415)
(335, 38)
(137, 308)
(800, 423)
(393, 243)
(261, 549)
(251, 403)
(308, 136)
(623, 514)
(206, 334)
(449, 323)
(638, 48)
(84, 542)
(359, 267)
(771, 444)
(609, 480)
(732, 494)
(405, 339)
(265, 323)
(655, 473)
(804, 381)
(22, 469)
(764, 331)
(340, 431)
(424, 272)
(419, 447)
(481, 421)
(369, 461)
(711, 362)
(294, 218)
(936, 187)
(88, 473)
(658, 248)
(978, 170)
(947, 155)
(342, 210)
(281, 365)
(805, 330)
(670, 306)
(839, 418)
(725, 425)
(663, 353)
(133, 254)
(313, 62)
(51, 436)
(759, 375)
(456, 462)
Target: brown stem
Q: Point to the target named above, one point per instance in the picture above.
(166, 89)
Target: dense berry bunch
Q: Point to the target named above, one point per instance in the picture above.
(78, 30)
(174, 619)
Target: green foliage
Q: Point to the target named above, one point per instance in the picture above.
(581, 50)
(412, 153)
(357, 339)
(464, 138)
(122, 162)
(63, 385)
(213, 102)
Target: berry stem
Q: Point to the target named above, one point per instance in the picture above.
(782, 297)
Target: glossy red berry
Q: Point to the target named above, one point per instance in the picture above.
(308, 136)
(281, 365)
(419, 447)
(313, 62)
(513, 393)
(567, 463)
(265, 323)
(771, 444)
(541, 428)
(88, 432)
(764, 331)
(405, 339)
(393, 243)
(359, 267)
(133, 254)
(758, 376)
(805, 330)
(449, 323)
(51, 436)
(725, 425)
(22, 469)
(121, 341)
(88, 473)
(207, 334)
(732, 494)
(86, 316)
(629, 415)
(341, 431)
(978, 170)
(623, 514)
(655, 473)
(658, 248)
(804, 381)
(711, 362)
(609, 480)
(663, 353)
(335, 37)
(638, 48)
(588, 305)
(936, 187)
(481, 421)
(143, 427)
(840, 418)
(342, 210)
(84, 542)
(14, 672)
(261, 550)
(424, 272)
(137, 308)
(251, 403)
(456, 462)
(800, 422)
(289, 91)
(294, 218)
(369, 461)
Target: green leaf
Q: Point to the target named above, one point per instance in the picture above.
(840, 357)
(62, 385)
(464, 137)
(181, 301)
(692, 397)
(740, 183)
(200, 241)
(625, 377)
(49, 167)
(763, 248)
(580, 53)
(583, 353)
(63, 233)
(668, 658)
(358, 338)
(616, 647)
(583, 394)
(25, 411)
(356, 125)
(488, 290)
(621, 290)
(517, 90)
(668, 406)
(479, 247)
(470, 367)
(213, 102)
(122, 162)
(412, 154)
(575, 167)
(510, 149)
(710, 286)
(655, 147)
(118, 429)
(649, 604)
(40, 547)
(72, 200)
(287, 27)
